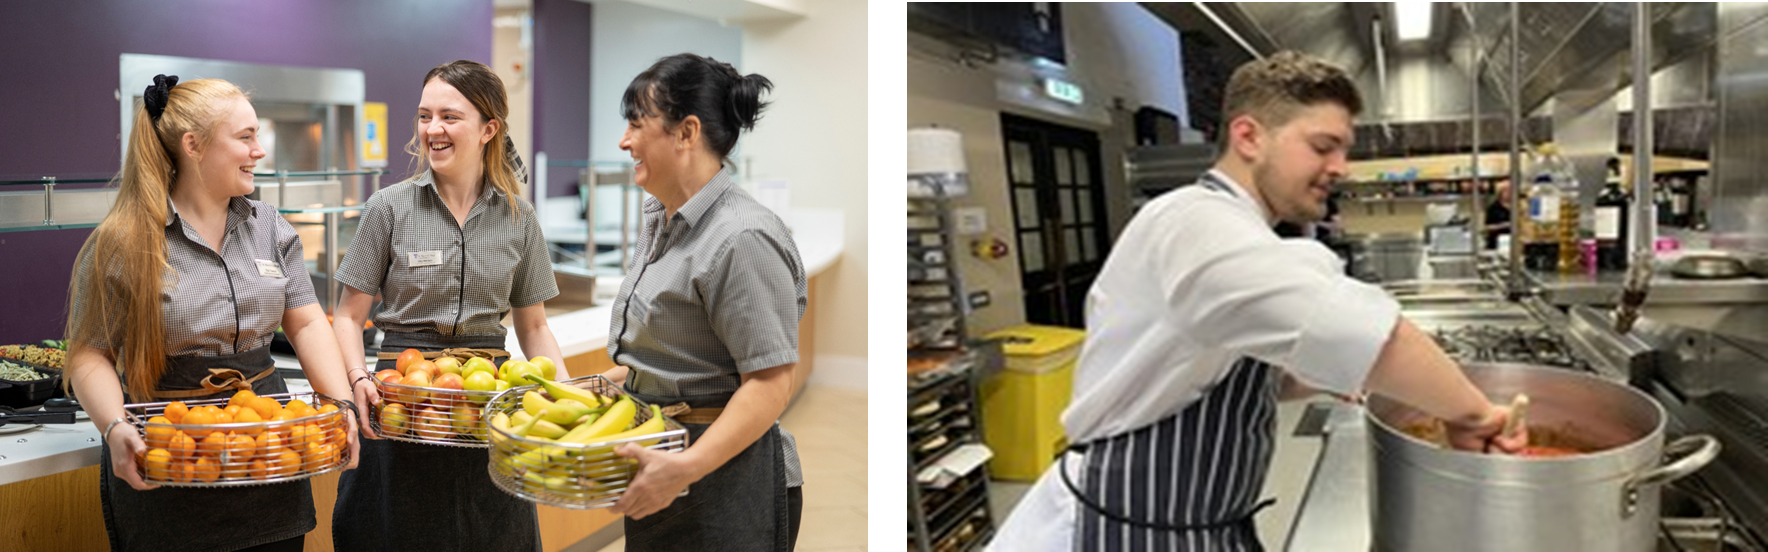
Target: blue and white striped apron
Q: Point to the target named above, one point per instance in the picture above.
(1190, 481)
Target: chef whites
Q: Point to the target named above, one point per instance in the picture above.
(1180, 370)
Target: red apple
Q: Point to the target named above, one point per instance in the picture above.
(423, 366)
(453, 384)
(407, 357)
(389, 376)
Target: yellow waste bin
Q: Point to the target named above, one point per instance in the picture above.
(1022, 405)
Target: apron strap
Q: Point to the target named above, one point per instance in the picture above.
(1237, 521)
(460, 353)
(683, 413)
(230, 379)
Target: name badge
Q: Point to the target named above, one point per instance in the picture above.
(425, 258)
(269, 269)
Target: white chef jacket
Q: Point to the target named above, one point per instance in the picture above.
(1196, 281)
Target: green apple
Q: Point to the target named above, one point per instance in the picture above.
(448, 365)
(480, 381)
(477, 364)
(502, 385)
(513, 371)
(548, 370)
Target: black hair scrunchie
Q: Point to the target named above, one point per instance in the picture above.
(155, 96)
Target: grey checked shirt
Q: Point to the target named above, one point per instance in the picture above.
(221, 303)
(435, 275)
(716, 292)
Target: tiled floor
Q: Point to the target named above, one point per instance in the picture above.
(830, 425)
(1292, 464)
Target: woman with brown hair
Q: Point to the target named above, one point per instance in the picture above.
(450, 251)
(186, 277)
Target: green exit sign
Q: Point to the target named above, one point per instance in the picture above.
(1063, 90)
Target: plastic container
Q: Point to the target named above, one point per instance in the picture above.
(1022, 405)
(26, 394)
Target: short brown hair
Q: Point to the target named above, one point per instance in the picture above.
(1271, 89)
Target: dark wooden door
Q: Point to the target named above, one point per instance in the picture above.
(1058, 216)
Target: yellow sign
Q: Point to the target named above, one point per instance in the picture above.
(374, 134)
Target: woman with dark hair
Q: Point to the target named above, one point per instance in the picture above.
(707, 319)
(451, 251)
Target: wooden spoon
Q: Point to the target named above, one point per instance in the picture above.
(1519, 407)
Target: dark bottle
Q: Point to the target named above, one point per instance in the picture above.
(1611, 227)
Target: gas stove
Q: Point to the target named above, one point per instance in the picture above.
(1522, 344)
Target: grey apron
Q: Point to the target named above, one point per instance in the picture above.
(739, 507)
(412, 496)
(219, 519)
(1191, 480)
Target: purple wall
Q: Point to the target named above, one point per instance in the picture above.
(61, 118)
(561, 88)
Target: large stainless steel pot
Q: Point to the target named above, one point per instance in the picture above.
(1427, 497)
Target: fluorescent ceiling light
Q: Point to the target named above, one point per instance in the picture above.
(1412, 20)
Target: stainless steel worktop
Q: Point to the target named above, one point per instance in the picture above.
(1334, 513)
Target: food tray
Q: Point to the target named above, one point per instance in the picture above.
(230, 468)
(26, 394)
(429, 415)
(594, 477)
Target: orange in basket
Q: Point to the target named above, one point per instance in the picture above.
(200, 416)
(266, 407)
(243, 398)
(207, 470)
(259, 469)
(267, 442)
(286, 462)
(175, 411)
(249, 416)
(158, 464)
(241, 448)
(212, 445)
(159, 436)
(183, 446)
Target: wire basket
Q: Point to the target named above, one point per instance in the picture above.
(299, 448)
(430, 415)
(570, 475)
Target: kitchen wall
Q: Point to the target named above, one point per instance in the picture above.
(61, 101)
(1118, 53)
(814, 138)
(628, 38)
(564, 38)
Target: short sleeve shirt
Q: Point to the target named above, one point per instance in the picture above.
(715, 291)
(435, 275)
(226, 302)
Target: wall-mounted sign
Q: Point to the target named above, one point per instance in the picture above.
(1063, 90)
(374, 134)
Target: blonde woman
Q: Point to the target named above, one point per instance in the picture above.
(451, 251)
(184, 276)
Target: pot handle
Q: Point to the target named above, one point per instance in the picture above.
(1694, 452)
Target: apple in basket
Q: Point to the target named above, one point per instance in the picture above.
(478, 364)
(548, 370)
(448, 365)
(430, 423)
(513, 372)
(393, 419)
(389, 376)
(480, 381)
(450, 382)
(465, 415)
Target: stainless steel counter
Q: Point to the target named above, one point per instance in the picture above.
(1334, 513)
